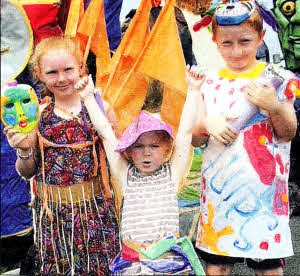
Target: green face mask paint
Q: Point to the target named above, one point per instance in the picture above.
(287, 13)
(19, 108)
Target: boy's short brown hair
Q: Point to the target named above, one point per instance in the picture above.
(255, 21)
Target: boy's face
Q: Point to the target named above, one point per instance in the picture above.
(238, 46)
(149, 152)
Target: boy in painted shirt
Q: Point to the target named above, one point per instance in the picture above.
(244, 209)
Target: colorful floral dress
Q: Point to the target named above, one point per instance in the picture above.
(244, 205)
(76, 228)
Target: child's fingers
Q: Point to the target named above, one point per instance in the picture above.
(6, 129)
(90, 79)
(198, 71)
(81, 83)
(11, 133)
(19, 141)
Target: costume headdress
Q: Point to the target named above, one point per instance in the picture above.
(144, 122)
(16, 40)
(233, 13)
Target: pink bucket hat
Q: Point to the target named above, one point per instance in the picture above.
(144, 122)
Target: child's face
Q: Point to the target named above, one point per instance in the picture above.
(59, 71)
(238, 46)
(149, 152)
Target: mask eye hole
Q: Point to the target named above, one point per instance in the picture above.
(9, 106)
(26, 101)
(288, 8)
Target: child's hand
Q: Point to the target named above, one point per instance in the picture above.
(85, 87)
(195, 76)
(218, 127)
(262, 96)
(17, 140)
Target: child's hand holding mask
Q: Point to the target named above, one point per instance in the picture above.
(85, 87)
(262, 95)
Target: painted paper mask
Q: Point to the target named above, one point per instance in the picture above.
(19, 108)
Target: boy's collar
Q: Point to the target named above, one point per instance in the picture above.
(253, 74)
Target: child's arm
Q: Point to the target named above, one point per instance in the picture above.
(25, 146)
(282, 114)
(111, 117)
(118, 165)
(180, 158)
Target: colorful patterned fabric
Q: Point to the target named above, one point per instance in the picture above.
(76, 229)
(244, 206)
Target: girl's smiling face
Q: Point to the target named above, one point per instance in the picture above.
(149, 152)
(59, 71)
(238, 46)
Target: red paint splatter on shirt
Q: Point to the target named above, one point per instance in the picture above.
(243, 89)
(231, 91)
(261, 159)
(287, 166)
(232, 104)
(277, 238)
(281, 198)
(279, 161)
(291, 88)
(264, 246)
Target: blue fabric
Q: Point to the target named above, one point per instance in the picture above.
(112, 10)
(112, 18)
(16, 216)
(168, 266)
(119, 263)
(161, 266)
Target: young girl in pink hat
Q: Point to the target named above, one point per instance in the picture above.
(148, 168)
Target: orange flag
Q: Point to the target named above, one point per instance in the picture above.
(162, 59)
(76, 12)
(125, 89)
(93, 26)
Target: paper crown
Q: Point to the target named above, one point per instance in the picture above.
(144, 122)
(228, 13)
